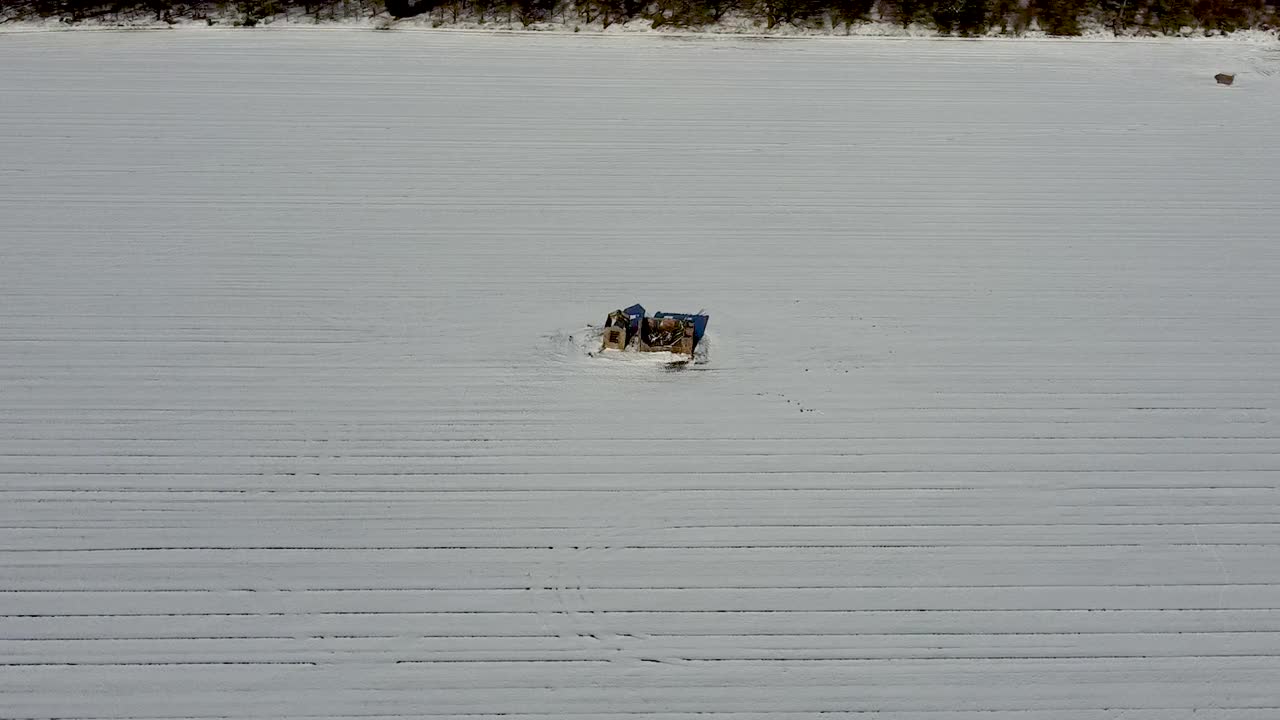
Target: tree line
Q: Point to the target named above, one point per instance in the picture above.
(948, 17)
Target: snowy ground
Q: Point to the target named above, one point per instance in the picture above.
(295, 418)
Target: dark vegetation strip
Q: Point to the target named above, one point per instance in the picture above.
(948, 17)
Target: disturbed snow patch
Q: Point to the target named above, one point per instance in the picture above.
(583, 345)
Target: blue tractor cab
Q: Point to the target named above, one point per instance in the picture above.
(699, 321)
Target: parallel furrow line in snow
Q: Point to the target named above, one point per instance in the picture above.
(647, 588)
(630, 546)
(659, 611)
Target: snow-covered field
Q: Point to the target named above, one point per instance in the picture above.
(295, 418)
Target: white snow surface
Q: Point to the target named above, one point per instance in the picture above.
(296, 419)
